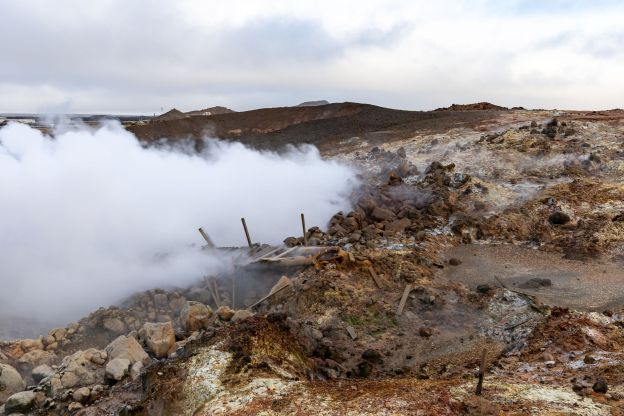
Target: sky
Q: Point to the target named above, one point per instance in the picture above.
(145, 57)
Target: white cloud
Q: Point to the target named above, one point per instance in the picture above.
(115, 56)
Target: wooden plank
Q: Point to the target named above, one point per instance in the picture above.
(268, 296)
(262, 256)
(406, 292)
(283, 254)
(373, 274)
(352, 332)
(264, 252)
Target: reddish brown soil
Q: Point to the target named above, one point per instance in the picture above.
(324, 126)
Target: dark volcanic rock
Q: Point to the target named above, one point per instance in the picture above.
(600, 386)
(559, 218)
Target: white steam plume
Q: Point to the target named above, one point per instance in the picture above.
(90, 216)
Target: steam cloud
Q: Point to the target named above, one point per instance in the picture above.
(90, 216)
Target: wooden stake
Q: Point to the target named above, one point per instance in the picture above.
(208, 240)
(268, 296)
(406, 292)
(305, 232)
(352, 332)
(233, 291)
(246, 232)
(373, 274)
(214, 291)
(481, 372)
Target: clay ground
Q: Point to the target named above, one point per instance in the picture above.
(477, 230)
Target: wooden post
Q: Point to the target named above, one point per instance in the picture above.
(246, 232)
(373, 274)
(305, 232)
(481, 372)
(233, 291)
(215, 286)
(406, 292)
(208, 240)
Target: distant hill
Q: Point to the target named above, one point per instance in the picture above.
(211, 111)
(472, 107)
(329, 127)
(313, 103)
(173, 114)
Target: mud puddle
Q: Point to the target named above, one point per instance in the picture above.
(585, 286)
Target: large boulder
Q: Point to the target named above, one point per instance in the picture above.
(126, 347)
(114, 325)
(383, 214)
(10, 382)
(37, 357)
(398, 226)
(159, 338)
(82, 368)
(28, 345)
(19, 402)
(195, 316)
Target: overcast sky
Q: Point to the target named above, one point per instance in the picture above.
(117, 56)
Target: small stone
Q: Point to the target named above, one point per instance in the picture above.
(241, 315)
(550, 364)
(117, 368)
(74, 407)
(41, 372)
(425, 332)
(484, 288)
(455, 262)
(589, 359)
(225, 313)
(19, 402)
(559, 218)
(276, 316)
(372, 356)
(135, 370)
(82, 394)
(600, 386)
(97, 391)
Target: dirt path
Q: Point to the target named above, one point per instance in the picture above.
(587, 286)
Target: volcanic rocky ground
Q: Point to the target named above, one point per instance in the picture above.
(481, 237)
